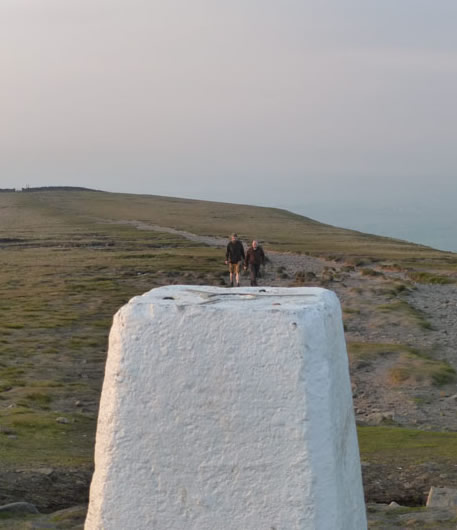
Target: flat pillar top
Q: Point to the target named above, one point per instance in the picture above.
(288, 298)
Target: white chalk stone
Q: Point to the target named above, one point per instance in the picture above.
(227, 409)
(442, 498)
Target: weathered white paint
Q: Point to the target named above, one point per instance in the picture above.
(227, 409)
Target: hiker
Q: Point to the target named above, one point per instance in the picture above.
(233, 257)
(254, 258)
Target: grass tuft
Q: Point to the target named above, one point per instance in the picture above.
(431, 278)
(414, 369)
(402, 309)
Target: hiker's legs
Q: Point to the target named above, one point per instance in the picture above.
(237, 274)
(257, 269)
(253, 274)
(232, 269)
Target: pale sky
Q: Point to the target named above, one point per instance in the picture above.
(272, 102)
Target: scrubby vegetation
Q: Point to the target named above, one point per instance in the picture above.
(400, 311)
(428, 277)
(70, 260)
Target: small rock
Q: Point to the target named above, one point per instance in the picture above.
(78, 403)
(394, 504)
(377, 418)
(71, 516)
(442, 498)
(61, 419)
(18, 508)
(360, 365)
(33, 470)
(45, 471)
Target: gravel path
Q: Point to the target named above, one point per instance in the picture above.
(439, 304)
(291, 262)
(426, 406)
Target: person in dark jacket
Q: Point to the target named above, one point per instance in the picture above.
(233, 257)
(255, 257)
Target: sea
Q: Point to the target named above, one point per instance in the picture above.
(431, 225)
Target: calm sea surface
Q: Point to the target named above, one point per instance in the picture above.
(432, 226)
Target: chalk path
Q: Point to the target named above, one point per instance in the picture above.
(291, 262)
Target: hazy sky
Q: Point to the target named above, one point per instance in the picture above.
(260, 101)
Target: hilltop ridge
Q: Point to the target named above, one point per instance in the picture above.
(54, 188)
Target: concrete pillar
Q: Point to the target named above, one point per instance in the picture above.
(227, 409)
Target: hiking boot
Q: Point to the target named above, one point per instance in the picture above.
(231, 285)
(238, 284)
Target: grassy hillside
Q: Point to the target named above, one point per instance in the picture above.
(68, 261)
(62, 277)
(282, 230)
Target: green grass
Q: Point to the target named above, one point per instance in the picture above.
(367, 351)
(401, 309)
(40, 398)
(431, 278)
(409, 446)
(409, 365)
(41, 440)
(58, 293)
(414, 368)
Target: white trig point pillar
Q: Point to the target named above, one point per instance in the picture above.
(227, 409)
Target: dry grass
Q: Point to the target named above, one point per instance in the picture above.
(400, 313)
(414, 369)
(408, 366)
(282, 230)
